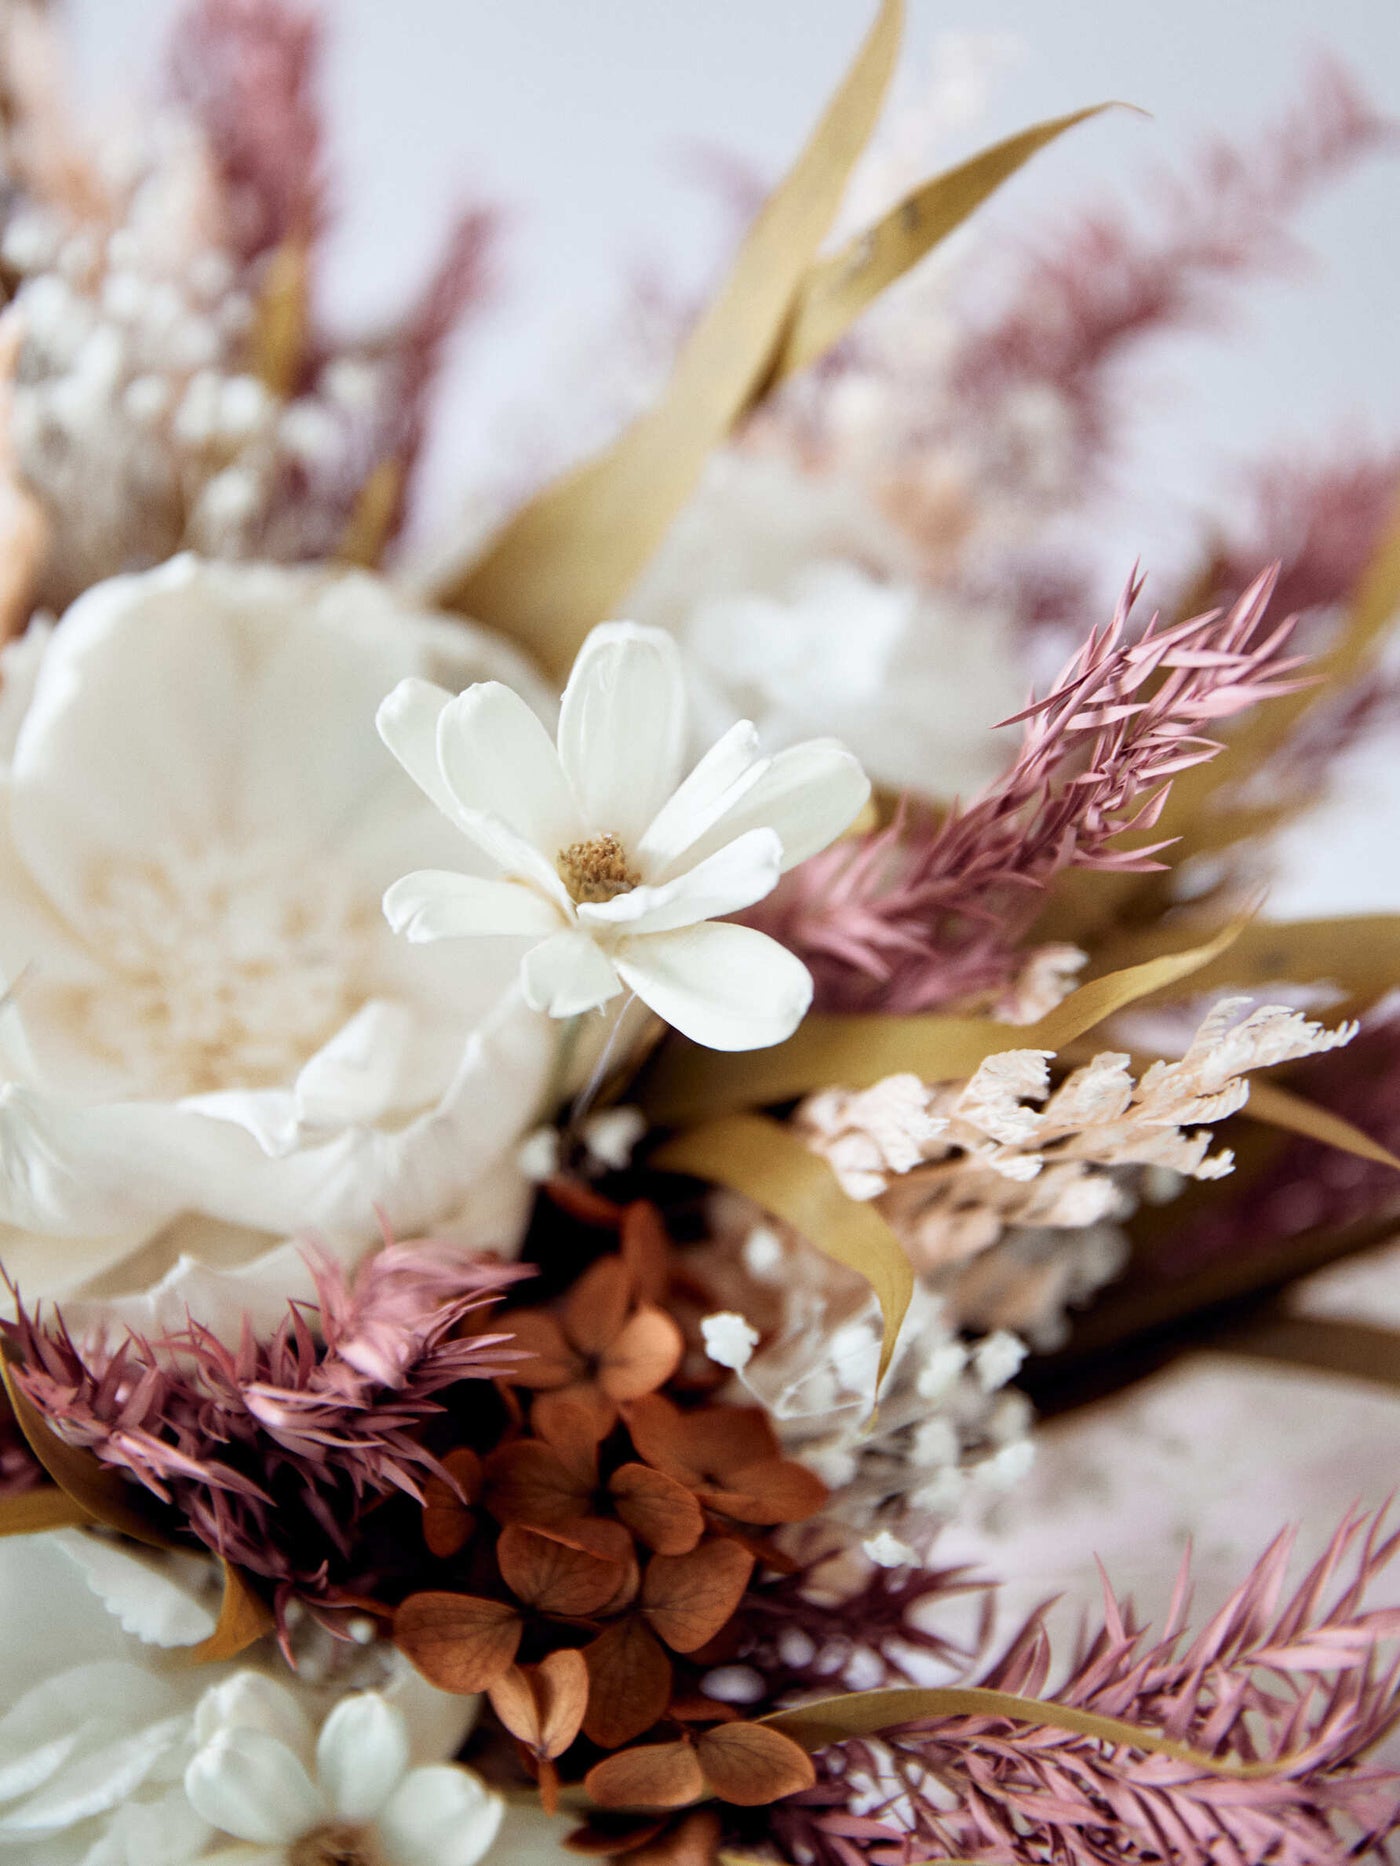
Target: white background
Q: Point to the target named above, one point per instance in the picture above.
(578, 116)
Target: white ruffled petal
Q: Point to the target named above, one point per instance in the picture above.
(622, 727)
(727, 987)
(810, 794)
(93, 1783)
(142, 1589)
(361, 1755)
(247, 1784)
(439, 1816)
(721, 778)
(743, 872)
(566, 975)
(438, 903)
(499, 761)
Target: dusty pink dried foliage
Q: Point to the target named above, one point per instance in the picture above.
(924, 914)
(1121, 275)
(273, 1453)
(246, 71)
(1297, 1684)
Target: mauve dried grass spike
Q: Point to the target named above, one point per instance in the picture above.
(922, 914)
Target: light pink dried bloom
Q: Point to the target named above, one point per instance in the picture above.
(1299, 1686)
(925, 914)
(271, 1453)
(1121, 274)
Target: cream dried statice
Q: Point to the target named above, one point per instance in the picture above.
(955, 1166)
(609, 863)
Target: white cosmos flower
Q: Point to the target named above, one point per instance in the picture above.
(608, 860)
(213, 1043)
(286, 1794)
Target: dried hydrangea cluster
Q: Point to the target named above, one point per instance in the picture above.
(611, 1514)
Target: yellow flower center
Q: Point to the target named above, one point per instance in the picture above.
(596, 870)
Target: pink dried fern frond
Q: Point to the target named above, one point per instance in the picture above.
(1107, 283)
(924, 914)
(271, 1452)
(1294, 1687)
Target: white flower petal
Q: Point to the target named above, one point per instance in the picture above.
(622, 727)
(439, 1816)
(141, 1588)
(809, 794)
(566, 975)
(728, 987)
(247, 1784)
(93, 1783)
(736, 876)
(252, 1701)
(438, 903)
(407, 720)
(732, 763)
(499, 761)
(361, 1755)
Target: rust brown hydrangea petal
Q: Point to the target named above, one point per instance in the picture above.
(688, 1598)
(459, 1642)
(547, 1360)
(447, 1522)
(643, 1357)
(775, 1492)
(725, 1439)
(629, 1683)
(583, 1203)
(660, 1775)
(694, 1841)
(597, 1305)
(530, 1483)
(750, 1764)
(543, 1704)
(551, 1577)
(646, 1251)
(568, 1427)
(658, 1433)
(659, 1510)
(581, 1397)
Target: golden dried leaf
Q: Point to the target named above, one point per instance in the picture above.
(629, 1683)
(33, 1511)
(660, 1775)
(244, 1618)
(659, 1510)
(688, 1598)
(751, 1764)
(643, 1357)
(552, 1577)
(459, 1642)
(566, 560)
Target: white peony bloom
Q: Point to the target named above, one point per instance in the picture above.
(799, 604)
(287, 1794)
(212, 1043)
(607, 861)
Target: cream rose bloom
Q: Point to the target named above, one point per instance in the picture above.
(213, 1045)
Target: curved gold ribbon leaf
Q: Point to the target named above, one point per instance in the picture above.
(244, 1618)
(769, 1164)
(1328, 1344)
(34, 1511)
(1358, 952)
(1280, 1107)
(101, 1493)
(687, 1083)
(564, 561)
(867, 1713)
(277, 346)
(837, 290)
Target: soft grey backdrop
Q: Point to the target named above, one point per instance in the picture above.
(577, 116)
